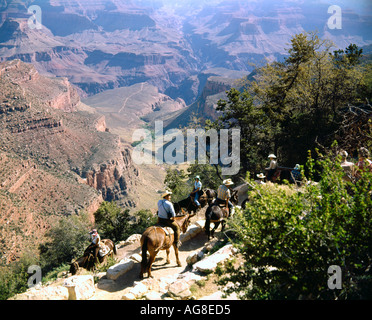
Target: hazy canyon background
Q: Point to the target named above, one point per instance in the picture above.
(73, 91)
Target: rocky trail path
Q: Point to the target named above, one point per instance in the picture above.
(116, 290)
(159, 269)
(193, 280)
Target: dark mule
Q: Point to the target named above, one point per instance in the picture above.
(189, 205)
(218, 214)
(87, 260)
(155, 239)
(210, 195)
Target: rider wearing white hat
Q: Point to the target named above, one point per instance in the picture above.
(261, 178)
(94, 245)
(166, 215)
(272, 168)
(224, 194)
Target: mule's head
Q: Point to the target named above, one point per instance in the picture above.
(74, 267)
(234, 197)
(186, 221)
(203, 199)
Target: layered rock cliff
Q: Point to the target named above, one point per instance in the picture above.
(102, 45)
(55, 157)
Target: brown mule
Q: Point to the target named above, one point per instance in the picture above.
(87, 260)
(155, 239)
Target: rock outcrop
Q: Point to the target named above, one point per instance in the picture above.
(119, 43)
(55, 159)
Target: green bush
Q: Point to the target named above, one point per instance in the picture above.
(144, 219)
(289, 239)
(117, 224)
(68, 240)
(112, 222)
(13, 278)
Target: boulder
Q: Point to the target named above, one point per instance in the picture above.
(80, 287)
(209, 264)
(179, 289)
(105, 284)
(44, 293)
(152, 284)
(138, 290)
(210, 245)
(153, 295)
(128, 296)
(115, 271)
(195, 256)
(189, 277)
(192, 258)
(133, 239)
(164, 282)
(136, 257)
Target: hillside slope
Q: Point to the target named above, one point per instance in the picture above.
(100, 45)
(55, 159)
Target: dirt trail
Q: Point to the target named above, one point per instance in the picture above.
(159, 268)
(129, 97)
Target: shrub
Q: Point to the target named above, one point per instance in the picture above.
(68, 240)
(112, 222)
(289, 239)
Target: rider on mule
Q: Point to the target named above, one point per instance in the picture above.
(94, 246)
(166, 216)
(224, 195)
(196, 190)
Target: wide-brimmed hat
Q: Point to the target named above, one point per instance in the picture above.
(364, 152)
(272, 156)
(93, 231)
(261, 176)
(166, 193)
(297, 167)
(197, 177)
(344, 153)
(228, 182)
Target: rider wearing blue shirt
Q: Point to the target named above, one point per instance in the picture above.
(166, 216)
(197, 188)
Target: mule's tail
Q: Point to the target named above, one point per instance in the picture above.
(115, 251)
(207, 219)
(144, 254)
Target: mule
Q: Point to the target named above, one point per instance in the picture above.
(155, 239)
(210, 195)
(218, 214)
(87, 260)
(189, 205)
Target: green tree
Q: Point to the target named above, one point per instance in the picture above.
(292, 106)
(176, 180)
(210, 175)
(112, 222)
(14, 277)
(256, 134)
(67, 240)
(304, 96)
(143, 219)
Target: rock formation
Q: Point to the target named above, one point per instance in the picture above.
(104, 45)
(55, 157)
